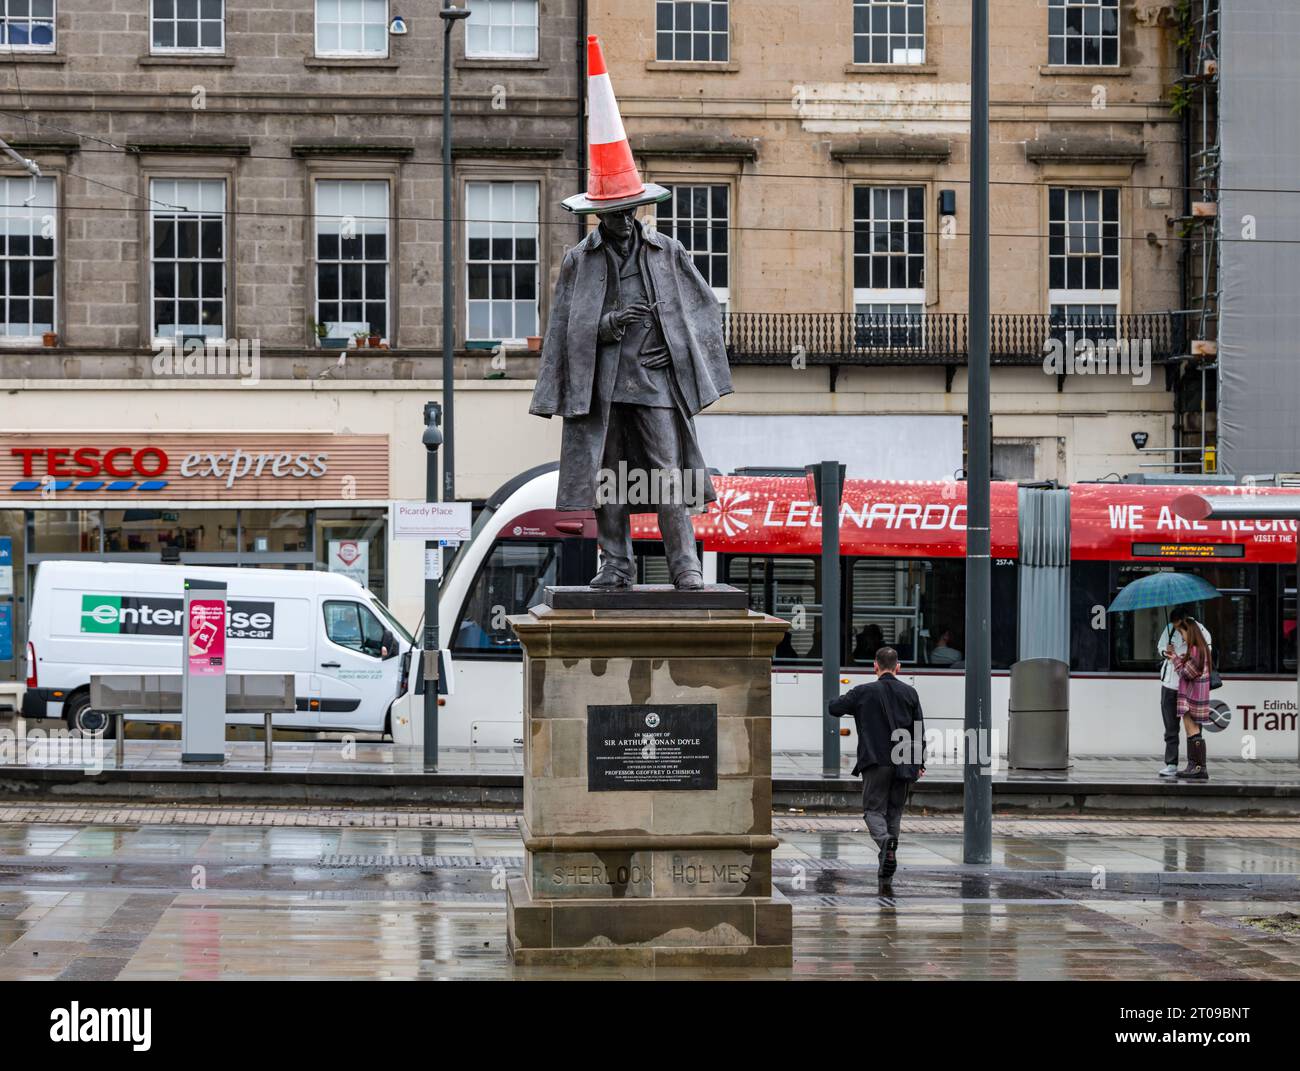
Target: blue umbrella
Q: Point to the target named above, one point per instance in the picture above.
(1163, 589)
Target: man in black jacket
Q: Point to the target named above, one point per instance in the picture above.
(891, 733)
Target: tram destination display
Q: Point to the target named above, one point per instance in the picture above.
(1189, 550)
(640, 748)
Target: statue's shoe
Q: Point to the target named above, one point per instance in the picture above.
(691, 581)
(609, 579)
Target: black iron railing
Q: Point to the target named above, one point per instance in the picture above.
(864, 338)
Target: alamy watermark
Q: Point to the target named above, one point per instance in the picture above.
(209, 358)
(52, 747)
(1069, 355)
(633, 486)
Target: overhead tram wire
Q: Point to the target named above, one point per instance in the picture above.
(956, 180)
(236, 213)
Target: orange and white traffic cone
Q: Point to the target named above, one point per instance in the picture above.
(613, 182)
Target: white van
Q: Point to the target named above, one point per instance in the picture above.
(350, 656)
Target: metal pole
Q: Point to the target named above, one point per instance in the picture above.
(266, 733)
(977, 817)
(828, 495)
(448, 290)
(432, 414)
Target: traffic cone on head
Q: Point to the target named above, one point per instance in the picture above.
(613, 182)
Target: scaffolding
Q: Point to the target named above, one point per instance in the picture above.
(1196, 100)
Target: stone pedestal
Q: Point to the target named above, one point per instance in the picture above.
(647, 820)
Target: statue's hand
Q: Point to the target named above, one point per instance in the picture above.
(659, 361)
(638, 311)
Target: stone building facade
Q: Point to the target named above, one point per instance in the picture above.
(241, 170)
(217, 177)
(820, 156)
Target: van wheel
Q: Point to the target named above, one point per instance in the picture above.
(79, 716)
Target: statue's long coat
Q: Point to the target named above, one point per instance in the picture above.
(566, 378)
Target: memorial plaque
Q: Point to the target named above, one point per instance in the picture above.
(671, 747)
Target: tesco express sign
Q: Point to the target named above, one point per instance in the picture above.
(84, 468)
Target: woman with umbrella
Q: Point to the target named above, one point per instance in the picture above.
(1193, 669)
(1160, 590)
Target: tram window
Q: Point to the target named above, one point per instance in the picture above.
(789, 588)
(916, 606)
(1232, 621)
(885, 608)
(509, 582)
(1287, 625)
(651, 568)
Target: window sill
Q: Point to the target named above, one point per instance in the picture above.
(891, 68)
(693, 66)
(32, 57)
(506, 63)
(1049, 71)
(185, 59)
(373, 62)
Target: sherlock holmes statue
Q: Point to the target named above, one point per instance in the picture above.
(633, 351)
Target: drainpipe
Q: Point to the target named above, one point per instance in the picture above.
(581, 95)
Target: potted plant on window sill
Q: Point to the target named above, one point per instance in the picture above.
(359, 337)
(374, 340)
(50, 339)
(323, 337)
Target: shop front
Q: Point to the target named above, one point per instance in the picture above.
(270, 500)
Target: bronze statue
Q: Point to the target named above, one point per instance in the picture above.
(633, 350)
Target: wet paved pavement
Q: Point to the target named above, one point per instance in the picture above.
(108, 896)
(368, 756)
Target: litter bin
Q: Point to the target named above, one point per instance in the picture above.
(1038, 724)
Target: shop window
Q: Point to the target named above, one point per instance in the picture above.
(351, 625)
(365, 557)
(274, 531)
(149, 531)
(65, 531)
(509, 582)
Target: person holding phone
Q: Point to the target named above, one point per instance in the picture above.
(1171, 637)
(1193, 670)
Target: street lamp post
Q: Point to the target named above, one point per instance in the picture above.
(432, 439)
(828, 487)
(977, 811)
(450, 16)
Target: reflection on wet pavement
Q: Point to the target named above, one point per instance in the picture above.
(93, 901)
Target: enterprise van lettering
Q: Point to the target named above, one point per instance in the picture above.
(129, 615)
